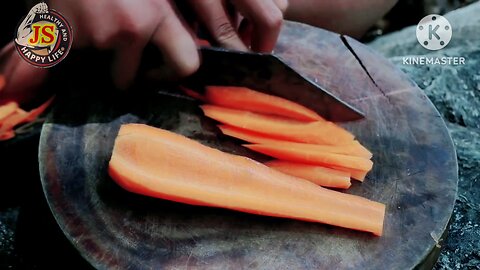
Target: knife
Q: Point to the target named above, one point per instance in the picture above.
(268, 73)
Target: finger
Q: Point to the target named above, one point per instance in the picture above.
(22, 80)
(176, 43)
(267, 21)
(213, 14)
(245, 31)
(6, 52)
(125, 65)
(282, 5)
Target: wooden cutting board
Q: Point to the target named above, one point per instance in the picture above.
(415, 172)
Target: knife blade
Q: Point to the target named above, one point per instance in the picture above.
(268, 73)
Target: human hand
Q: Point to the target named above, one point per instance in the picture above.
(257, 24)
(22, 79)
(127, 26)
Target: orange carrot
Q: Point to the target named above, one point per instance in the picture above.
(193, 94)
(19, 116)
(6, 110)
(33, 114)
(7, 135)
(312, 156)
(162, 164)
(355, 174)
(16, 118)
(202, 42)
(354, 149)
(320, 132)
(317, 174)
(243, 98)
(247, 135)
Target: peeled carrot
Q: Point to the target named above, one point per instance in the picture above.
(202, 42)
(6, 110)
(354, 174)
(243, 98)
(18, 117)
(316, 174)
(33, 114)
(312, 156)
(162, 164)
(354, 149)
(192, 94)
(247, 135)
(320, 132)
(7, 135)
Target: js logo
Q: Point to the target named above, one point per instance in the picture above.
(434, 32)
(43, 34)
(44, 37)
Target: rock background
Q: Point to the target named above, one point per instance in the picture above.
(455, 91)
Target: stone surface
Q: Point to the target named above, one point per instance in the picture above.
(8, 220)
(455, 91)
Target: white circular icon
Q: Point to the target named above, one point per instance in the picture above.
(434, 32)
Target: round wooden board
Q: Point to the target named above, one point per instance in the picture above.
(415, 174)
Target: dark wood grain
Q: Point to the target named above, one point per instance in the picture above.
(415, 174)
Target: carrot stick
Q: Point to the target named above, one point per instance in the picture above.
(202, 42)
(20, 116)
(33, 114)
(6, 110)
(320, 132)
(162, 164)
(355, 174)
(312, 156)
(354, 149)
(243, 98)
(7, 135)
(17, 118)
(193, 94)
(316, 174)
(247, 135)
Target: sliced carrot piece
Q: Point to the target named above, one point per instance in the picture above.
(202, 42)
(3, 82)
(312, 156)
(247, 135)
(354, 149)
(319, 175)
(6, 110)
(20, 116)
(355, 174)
(320, 132)
(161, 164)
(193, 94)
(17, 118)
(7, 135)
(33, 114)
(243, 98)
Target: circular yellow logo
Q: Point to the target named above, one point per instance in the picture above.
(44, 37)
